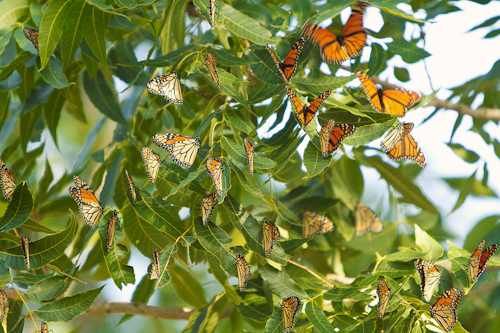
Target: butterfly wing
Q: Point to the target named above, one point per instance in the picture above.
(326, 225)
(324, 136)
(395, 136)
(156, 269)
(214, 169)
(398, 101)
(371, 91)
(211, 8)
(290, 307)
(212, 67)
(44, 327)
(168, 86)
(25, 246)
(366, 220)
(353, 37)
(289, 64)
(208, 205)
(243, 271)
(110, 230)
(250, 153)
(32, 36)
(89, 206)
(131, 186)
(302, 112)
(473, 264)
(182, 149)
(337, 135)
(429, 277)
(270, 236)
(444, 311)
(384, 294)
(152, 162)
(409, 149)
(6, 182)
(311, 224)
(485, 256)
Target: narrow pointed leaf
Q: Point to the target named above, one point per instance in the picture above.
(19, 209)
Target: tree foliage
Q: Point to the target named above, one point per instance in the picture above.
(79, 106)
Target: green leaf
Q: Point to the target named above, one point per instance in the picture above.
(251, 230)
(94, 29)
(377, 59)
(239, 120)
(42, 251)
(47, 289)
(372, 242)
(390, 6)
(19, 209)
(428, 245)
(73, 31)
(187, 287)
(67, 308)
(220, 276)
(314, 161)
(401, 183)
(275, 323)
(89, 142)
(53, 74)
(5, 276)
(103, 97)
(111, 178)
(12, 11)
(255, 307)
(31, 225)
(329, 10)
(318, 318)
(408, 51)
(190, 178)
(301, 9)
(367, 134)
(230, 91)
(51, 28)
(405, 254)
(460, 265)
(245, 27)
(225, 58)
(14, 64)
(165, 257)
(320, 85)
(52, 110)
(347, 181)
(237, 152)
(280, 283)
(465, 191)
(12, 325)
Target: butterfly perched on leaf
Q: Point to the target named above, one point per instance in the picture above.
(208, 205)
(289, 65)
(331, 136)
(338, 48)
(215, 171)
(131, 186)
(429, 277)
(212, 67)
(384, 295)
(7, 182)
(409, 149)
(152, 162)
(393, 101)
(32, 35)
(156, 267)
(270, 236)
(290, 306)
(243, 271)
(89, 206)
(168, 86)
(366, 220)
(182, 149)
(444, 310)
(314, 224)
(395, 136)
(25, 246)
(212, 5)
(249, 152)
(306, 113)
(479, 259)
(110, 230)
(4, 304)
(44, 327)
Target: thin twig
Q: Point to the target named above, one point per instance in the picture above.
(311, 272)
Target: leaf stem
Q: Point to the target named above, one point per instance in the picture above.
(311, 272)
(26, 305)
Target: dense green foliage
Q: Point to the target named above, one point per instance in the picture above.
(50, 131)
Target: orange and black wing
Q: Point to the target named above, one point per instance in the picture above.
(32, 35)
(212, 67)
(6, 182)
(270, 236)
(289, 64)
(110, 230)
(483, 260)
(409, 149)
(215, 171)
(384, 294)
(429, 277)
(444, 311)
(243, 271)
(338, 133)
(89, 206)
(306, 114)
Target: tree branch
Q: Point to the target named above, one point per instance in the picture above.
(140, 309)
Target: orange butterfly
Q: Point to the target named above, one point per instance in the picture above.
(6, 182)
(479, 259)
(32, 35)
(90, 207)
(444, 311)
(336, 49)
(270, 236)
(25, 246)
(384, 294)
(395, 101)
(208, 205)
(306, 114)
(182, 149)
(429, 277)
(409, 149)
(152, 162)
(243, 271)
(331, 136)
(249, 152)
(131, 187)
(212, 67)
(289, 65)
(214, 169)
(110, 231)
(290, 307)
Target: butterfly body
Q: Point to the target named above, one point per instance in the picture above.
(289, 65)
(444, 310)
(290, 306)
(270, 236)
(44, 327)
(331, 136)
(429, 277)
(243, 271)
(156, 269)
(306, 114)
(89, 206)
(25, 246)
(208, 205)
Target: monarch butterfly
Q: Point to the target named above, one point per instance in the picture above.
(409, 149)
(384, 294)
(168, 86)
(182, 149)
(479, 259)
(395, 101)
(207, 207)
(214, 169)
(314, 224)
(444, 311)
(366, 220)
(429, 277)
(270, 236)
(25, 246)
(44, 328)
(212, 67)
(156, 269)
(131, 187)
(243, 271)
(152, 161)
(249, 151)
(289, 65)
(395, 136)
(7, 182)
(290, 307)
(211, 9)
(89, 206)
(336, 49)
(4, 304)
(331, 136)
(110, 231)
(306, 114)
(32, 36)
